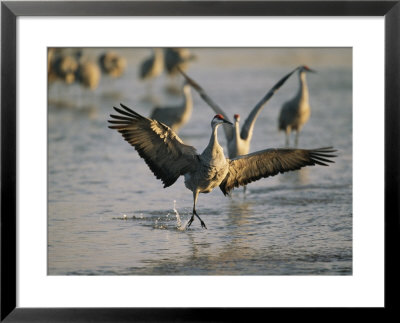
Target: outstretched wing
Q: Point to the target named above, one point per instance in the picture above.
(249, 168)
(163, 151)
(227, 128)
(247, 129)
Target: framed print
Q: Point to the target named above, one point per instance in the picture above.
(88, 232)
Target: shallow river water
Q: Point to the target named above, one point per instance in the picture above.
(109, 215)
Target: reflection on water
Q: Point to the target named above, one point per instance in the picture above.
(299, 177)
(108, 214)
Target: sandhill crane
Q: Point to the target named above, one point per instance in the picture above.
(177, 58)
(296, 112)
(168, 157)
(112, 64)
(64, 67)
(175, 116)
(88, 74)
(152, 66)
(238, 141)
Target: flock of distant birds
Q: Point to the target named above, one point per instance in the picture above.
(168, 157)
(74, 67)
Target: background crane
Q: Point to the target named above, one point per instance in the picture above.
(175, 116)
(176, 59)
(152, 66)
(112, 64)
(296, 112)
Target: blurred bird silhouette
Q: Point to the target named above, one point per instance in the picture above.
(175, 116)
(88, 74)
(152, 66)
(62, 65)
(112, 64)
(176, 59)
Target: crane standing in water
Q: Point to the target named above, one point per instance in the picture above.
(177, 58)
(168, 157)
(152, 66)
(112, 64)
(88, 74)
(175, 116)
(296, 112)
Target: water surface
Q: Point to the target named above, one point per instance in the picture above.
(109, 215)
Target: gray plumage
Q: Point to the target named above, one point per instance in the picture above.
(62, 66)
(175, 116)
(296, 112)
(152, 66)
(168, 157)
(112, 64)
(177, 58)
(238, 142)
(88, 74)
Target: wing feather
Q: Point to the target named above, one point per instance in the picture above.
(247, 129)
(249, 168)
(163, 151)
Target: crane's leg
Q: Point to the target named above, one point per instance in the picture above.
(195, 196)
(287, 135)
(296, 139)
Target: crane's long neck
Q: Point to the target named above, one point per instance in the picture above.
(158, 54)
(303, 88)
(237, 131)
(185, 110)
(214, 153)
(158, 57)
(187, 99)
(235, 146)
(237, 138)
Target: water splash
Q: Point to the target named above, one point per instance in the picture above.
(125, 217)
(178, 218)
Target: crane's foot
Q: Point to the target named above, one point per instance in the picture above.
(190, 221)
(203, 225)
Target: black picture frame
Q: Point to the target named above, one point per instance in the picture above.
(10, 10)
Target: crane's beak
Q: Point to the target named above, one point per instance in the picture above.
(311, 70)
(228, 122)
